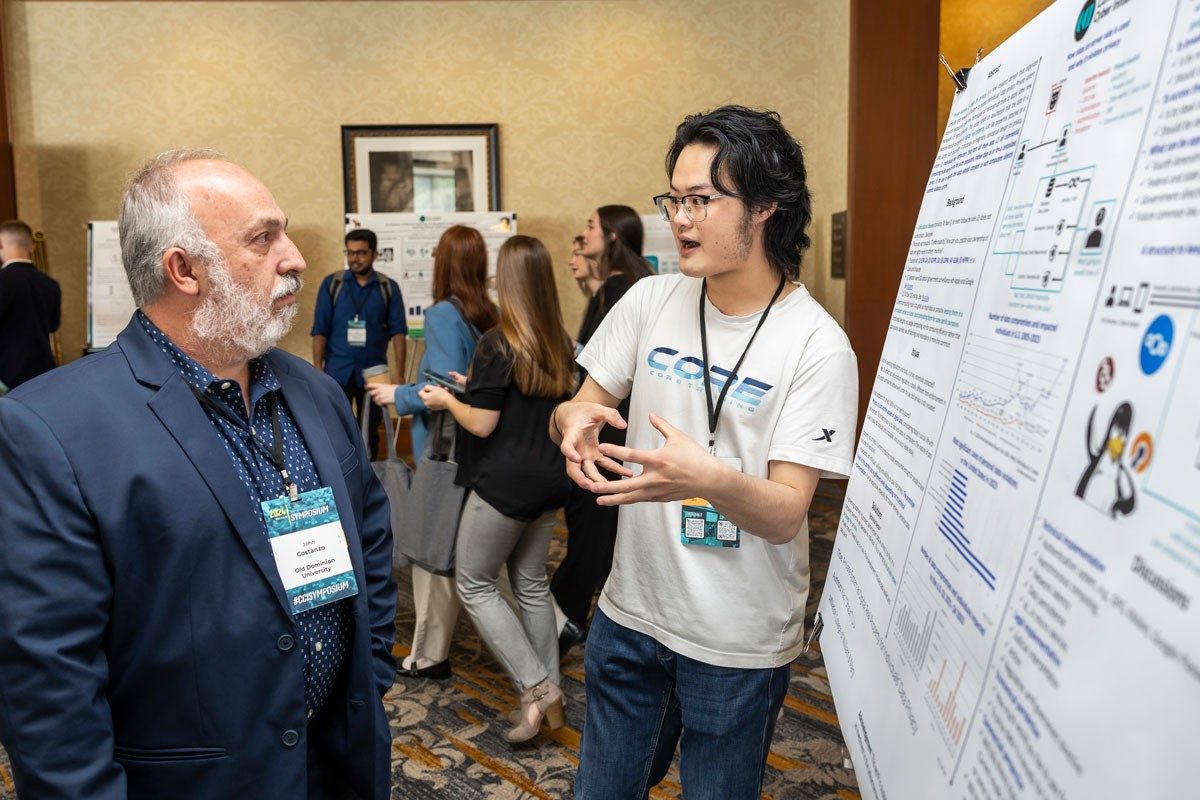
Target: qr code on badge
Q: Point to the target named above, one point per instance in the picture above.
(726, 531)
(693, 528)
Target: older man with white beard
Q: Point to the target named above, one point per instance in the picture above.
(195, 593)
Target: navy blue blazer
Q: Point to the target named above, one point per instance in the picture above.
(146, 647)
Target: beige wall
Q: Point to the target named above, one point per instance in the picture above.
(968, 25)
(587, 95)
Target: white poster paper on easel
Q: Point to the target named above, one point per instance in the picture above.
(407, 243)
(110, 302)
(1009, 611)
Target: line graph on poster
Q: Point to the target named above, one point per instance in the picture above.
(1014, 390)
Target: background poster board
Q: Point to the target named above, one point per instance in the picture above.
(407, 242)
(110, 303)
(1008, 612)
(659, 245)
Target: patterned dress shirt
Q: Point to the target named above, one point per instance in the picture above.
(325, 631)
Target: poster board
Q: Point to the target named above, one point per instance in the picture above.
(1009, 607)
(110, 302)
(407, 242)
(658, 245)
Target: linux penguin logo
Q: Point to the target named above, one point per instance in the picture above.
(1084, 21)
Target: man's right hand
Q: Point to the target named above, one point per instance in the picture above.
(577, 425)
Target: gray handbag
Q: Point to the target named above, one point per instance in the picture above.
(396, 477)
(435, 502)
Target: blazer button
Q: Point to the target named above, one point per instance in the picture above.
(285, 642)
(290, 738)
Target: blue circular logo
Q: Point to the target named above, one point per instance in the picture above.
(1084, 20)
(1156, 344)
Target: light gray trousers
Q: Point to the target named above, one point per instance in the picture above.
(487, 540)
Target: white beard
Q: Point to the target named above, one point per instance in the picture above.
(233, 321)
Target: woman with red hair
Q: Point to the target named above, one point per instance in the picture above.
(461, 313)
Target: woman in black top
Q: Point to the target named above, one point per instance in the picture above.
(521, 370)
(613, 237)
(586, 272)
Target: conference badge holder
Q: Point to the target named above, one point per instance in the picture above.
(310, 549)
(356, 332)
(701, 524)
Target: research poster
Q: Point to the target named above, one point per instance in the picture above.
(1009, 609)
(407, 242)
(658, 246)
(110, 302)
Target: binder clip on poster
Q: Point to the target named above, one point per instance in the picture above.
(960, 76)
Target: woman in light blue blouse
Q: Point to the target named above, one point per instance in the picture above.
(461, 313)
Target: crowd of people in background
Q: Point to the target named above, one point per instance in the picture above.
(512, 363)
(198, 583)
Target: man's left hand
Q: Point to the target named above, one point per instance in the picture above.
(680, 469)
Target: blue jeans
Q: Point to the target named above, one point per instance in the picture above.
(643, 698)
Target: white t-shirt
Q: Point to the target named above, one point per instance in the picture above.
(795, 400)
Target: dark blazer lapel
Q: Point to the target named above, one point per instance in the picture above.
(314, 429)
(176, 407)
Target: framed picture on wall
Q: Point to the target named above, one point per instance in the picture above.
(421, 168)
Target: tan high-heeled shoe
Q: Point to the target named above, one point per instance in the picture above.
(514, 717)
(543, 701)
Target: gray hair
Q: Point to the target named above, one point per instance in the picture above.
(155, 216)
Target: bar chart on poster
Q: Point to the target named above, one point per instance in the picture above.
(1008, 612)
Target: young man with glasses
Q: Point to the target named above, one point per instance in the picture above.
(744, 394)
(358, 312)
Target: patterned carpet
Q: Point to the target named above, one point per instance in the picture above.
(448, 735)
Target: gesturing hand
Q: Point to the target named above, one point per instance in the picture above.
(681, 468)
(580, 424)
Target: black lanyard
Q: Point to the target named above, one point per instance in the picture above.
(714, 413)
(358, 307)
(275, 453)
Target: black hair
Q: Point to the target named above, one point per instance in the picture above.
(623, 236)
(363, 235)
(758, 161)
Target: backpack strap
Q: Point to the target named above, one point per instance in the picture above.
(385, 289)
(335, 288)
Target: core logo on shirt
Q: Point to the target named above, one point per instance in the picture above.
(826, 435)
(689, 371)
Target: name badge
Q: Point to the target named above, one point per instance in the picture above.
(701, 524)
(310, 549)
(356, 333)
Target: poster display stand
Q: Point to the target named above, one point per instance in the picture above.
(407, 242)
(1008, 611)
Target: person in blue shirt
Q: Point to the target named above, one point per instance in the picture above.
(358, 312)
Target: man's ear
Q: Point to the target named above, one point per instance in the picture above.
(180, 270)
(761, 214)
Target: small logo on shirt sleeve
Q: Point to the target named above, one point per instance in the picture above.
(826, 435)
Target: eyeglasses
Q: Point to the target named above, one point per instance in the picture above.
(694, 205)
(357, 253)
